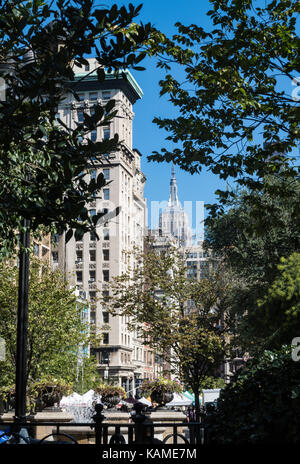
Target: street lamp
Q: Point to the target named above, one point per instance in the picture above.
(22, 325)
(7, 68)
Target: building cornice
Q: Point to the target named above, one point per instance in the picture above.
(124, 80)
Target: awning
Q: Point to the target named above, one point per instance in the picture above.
(179, 400)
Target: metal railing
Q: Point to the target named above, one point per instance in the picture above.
(142, 430)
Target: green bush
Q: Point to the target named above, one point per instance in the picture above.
(262, 404)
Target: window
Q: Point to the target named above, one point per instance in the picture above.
(55, 256)
(92, 296)
(93, 174)
(105, 295)
(92, 276)
(105, 255)
(106, 174)
(105, 338)
(80, 116)
(81, 96)
(93, 96)
(104, 211)
(105, 318)
(106, 133)
(106, 234)
(92, 255)
(192, 264)
(87, 67)
(94, 136)
(78, 256)
(106, 194)
(44, 251)
(104, 357)
(192, 255)
(92, 212)
(203, 268)
(79, 276)
(36, 249)
(55, 238)
(192, 273)
(106, 275)
(106, 95)
(93, 317)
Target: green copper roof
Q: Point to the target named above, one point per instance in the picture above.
(111, 76)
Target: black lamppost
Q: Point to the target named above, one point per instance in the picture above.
(7, 68)
(22, 325)
(22, 318)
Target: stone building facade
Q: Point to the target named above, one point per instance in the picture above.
(89, 264)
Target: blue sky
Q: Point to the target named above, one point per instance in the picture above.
(147, 137)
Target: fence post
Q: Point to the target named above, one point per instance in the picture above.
(98, 418)
(144, 432)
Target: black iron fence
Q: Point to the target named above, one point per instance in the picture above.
(141, 430)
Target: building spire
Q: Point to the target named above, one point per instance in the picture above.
(173, 200)
(173, 170)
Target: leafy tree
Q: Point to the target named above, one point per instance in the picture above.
(155, 295)
(42, 162)
(261, 404)
(252, 236)
(280, 307)
(212, 382)
(55, 328)
(236, 93)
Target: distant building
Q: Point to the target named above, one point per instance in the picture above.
(173, 220)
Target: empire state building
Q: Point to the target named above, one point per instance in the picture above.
(174, 220)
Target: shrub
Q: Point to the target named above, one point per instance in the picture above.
(262, 404)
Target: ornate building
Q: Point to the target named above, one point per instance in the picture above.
(89, 264)
(173, 221)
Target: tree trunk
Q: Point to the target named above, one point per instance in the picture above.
(197, 403)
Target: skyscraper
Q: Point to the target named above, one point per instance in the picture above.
(173, 220)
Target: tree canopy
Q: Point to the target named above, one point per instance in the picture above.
(261, 404)
(180, 318)
(280, 307)
(253, 236)
(55, 328)
(42, 161)
(237, 112)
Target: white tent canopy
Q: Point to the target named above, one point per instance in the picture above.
(179, 400)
